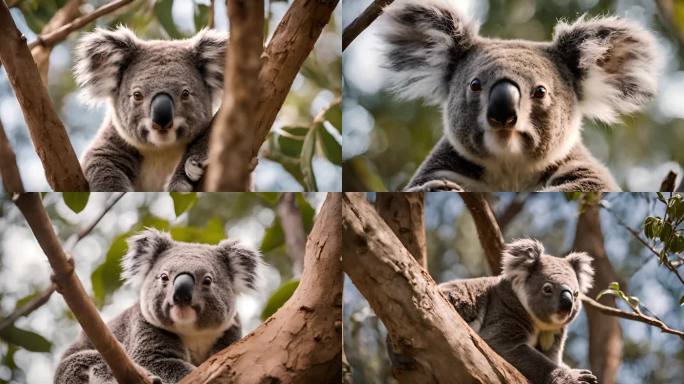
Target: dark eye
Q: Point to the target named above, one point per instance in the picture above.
(539, 92)
(164, 277)
(576, 294)
(475, 85)
(137, 96)
(185, 95)
(547, 288)
(207, 280)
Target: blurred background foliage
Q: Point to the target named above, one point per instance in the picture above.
(304, 149)
(454, 252)
(385, 140)
(30, 349)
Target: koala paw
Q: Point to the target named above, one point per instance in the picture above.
(179, 186)
(573, 376)
(583, 376)
(195, 167)
(436, 186)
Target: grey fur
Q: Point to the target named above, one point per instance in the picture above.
(127, 154)
(597, 68)
(513, 315)
(154, 339)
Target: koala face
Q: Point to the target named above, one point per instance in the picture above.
(188, 288)
(547, 286)
(504, 100)
(160, 92)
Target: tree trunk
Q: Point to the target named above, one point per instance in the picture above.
(302, 342)
(403, 213)
(421, 323)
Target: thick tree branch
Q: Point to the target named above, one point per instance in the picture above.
(11, 179)
(488, 231)
(124, 370)
(403, 213)
(47, 132)
(409, 303)
(302, 342)
(295, 238)
(363, 21)
(231, 135)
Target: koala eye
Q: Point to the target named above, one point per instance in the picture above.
(475, 85)
(207, 280)
(137, 96)
(164, 276)
(185, 95)
(576, 293)
(539, 92)
(547, 289)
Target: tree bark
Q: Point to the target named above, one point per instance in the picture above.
(231, 138)
(11, 179)
(124, 370)
(302, 341)
(295, 237)
(488, 231)
(362, 22)
(403, 213)
(47, 132)
(605, 336)
(420, 322)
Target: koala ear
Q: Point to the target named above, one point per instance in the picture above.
(208, 49)
(143, 250)
(101, 56)
(581, 263)
(242, 264)
(519, 257)
(425, 40)
(615, 63)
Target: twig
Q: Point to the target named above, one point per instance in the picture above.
(487, 228)
(630, 316)
(363, 21)
(11, 179)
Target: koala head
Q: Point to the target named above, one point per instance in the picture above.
(508, 99)
(188, 288)
(547, 286)
(160, 92)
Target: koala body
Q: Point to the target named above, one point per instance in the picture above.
(523, 313)
(186, 310)
(512, 109)
(160, 97)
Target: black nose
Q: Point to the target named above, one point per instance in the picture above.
(565, 301)
(183, 285)
(161, 112)
(502, 111)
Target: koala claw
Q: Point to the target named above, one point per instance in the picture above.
(194, 168)
(156, 380)
(584, 376)
(180, 186)
(436, 186)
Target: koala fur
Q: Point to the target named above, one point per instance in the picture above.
(147, 84)
(523, 314)
(594, 67)
(186, 310)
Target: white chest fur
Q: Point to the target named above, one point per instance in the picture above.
(157, 167)
(199, 345)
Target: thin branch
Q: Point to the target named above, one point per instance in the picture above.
(512, 210)
(11, 179)
(363, 21)
(210, 14)
(589, 302)
(123, 369)
(295, 237)
(488, 230)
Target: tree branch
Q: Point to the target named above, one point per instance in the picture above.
(363, 21)
(11, 179)
(304, 337)
(488, 231)
(512, 210)
(123, 369)
(231, 137)
(47, 132)
(407, 300)
(403, 213)
(295, 238)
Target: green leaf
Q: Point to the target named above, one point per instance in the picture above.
(334, 116)
(212, 233)
(273, 238)
(614, 286)
(163, 11)
(677, 244)
(289, 140)
(661, 197)
(305, 161)
(665, 232)
(106, 278)
(201, 16)
(572, 196)
(182, 201)
(332, 149)
(30, 341)
(76, 201)
(279, 297)
(271, 198)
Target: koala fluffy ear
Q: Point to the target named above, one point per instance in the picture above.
(208, 48)
(425, 40)
(101, 56)
(615, 63)
(242, 264)
(581, 263)
(519, 257)
(143, 250)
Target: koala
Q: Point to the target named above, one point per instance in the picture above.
(185, 313)
(523, 314)
(160, 96)
(512, 109)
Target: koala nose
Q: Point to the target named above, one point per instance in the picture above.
(565, 301)
(502, 111)
(183, 285)
(162, 112)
